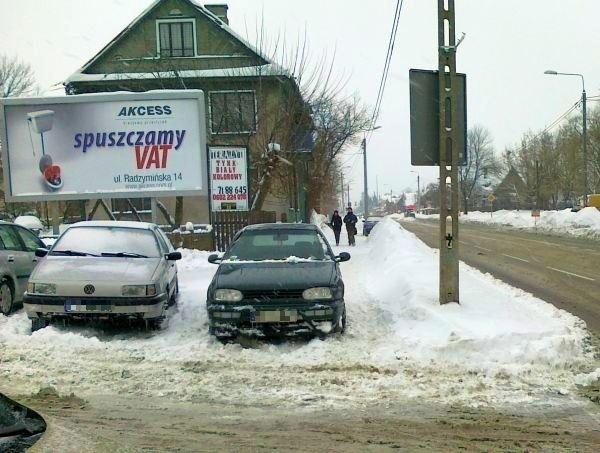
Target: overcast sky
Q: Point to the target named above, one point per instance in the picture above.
(508, 46)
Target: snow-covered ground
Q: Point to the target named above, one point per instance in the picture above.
(584, 223)
(499, 346)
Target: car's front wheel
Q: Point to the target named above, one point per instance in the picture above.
(341, 324)
(6, 298)
(38, 324)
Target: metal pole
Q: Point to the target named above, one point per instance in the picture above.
(366, 206)
(449, 186)
(585, 157)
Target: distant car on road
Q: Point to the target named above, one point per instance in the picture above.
(369, 223)
(104, 270)
(277, 280)
(17, 260)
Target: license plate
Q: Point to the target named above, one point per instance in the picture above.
(76, 306)
(277, 316)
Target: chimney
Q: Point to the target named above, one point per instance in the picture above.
(219, 10)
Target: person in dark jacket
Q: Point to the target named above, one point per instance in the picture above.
(336, 226)
(350, 220)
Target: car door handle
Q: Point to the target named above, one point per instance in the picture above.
(11, 258)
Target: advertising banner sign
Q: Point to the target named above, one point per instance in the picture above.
(229, 189)
(122, 145)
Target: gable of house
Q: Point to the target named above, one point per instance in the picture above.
(176, 35)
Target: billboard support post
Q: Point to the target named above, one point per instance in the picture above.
(154, 208)
(54, 213)
(449, 154)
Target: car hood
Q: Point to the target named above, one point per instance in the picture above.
(88, 268)
(269, 275)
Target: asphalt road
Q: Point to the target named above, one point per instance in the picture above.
(561, 270)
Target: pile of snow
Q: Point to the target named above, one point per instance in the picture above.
(500, 345)
(584, 223)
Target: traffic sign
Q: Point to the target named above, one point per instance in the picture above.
(491, 198)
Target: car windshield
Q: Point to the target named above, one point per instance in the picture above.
(278, 245)
(107, 241)
(374, 219)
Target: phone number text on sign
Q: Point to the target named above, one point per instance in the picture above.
(228, 178)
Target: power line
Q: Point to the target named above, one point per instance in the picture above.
(386, 66)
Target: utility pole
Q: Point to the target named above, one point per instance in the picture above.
(366, 202)
(377, 186)
(342, 179)
(585, 156)
(418, 191)
(349, 202)
(449, 185)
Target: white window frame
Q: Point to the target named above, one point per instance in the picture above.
(210, 121)
(176, 21)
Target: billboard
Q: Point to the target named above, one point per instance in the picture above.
(121, 145)
(229, 189)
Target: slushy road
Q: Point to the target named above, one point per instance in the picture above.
(563, 271)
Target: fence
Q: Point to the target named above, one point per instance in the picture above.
(227, 224)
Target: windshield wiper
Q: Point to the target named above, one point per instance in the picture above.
(124, 255)
(71, 253)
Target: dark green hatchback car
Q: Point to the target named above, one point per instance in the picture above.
(277, 280)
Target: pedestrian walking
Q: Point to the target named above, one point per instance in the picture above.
(336, 225)
(350, 220)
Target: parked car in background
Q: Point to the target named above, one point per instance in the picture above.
(17, 260)
(31, 222)
(277, 279)
(369, 223)
(104, 270)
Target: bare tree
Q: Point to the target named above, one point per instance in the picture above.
(481, 162)
(16, 77)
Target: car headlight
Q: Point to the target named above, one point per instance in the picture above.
(228, 295)
(46, 289)
(139, 290)
(317, 293)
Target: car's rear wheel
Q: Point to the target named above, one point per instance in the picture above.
(39, 323)
(6, 298)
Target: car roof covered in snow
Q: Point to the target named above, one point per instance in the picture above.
(281, 226)
(113, 224)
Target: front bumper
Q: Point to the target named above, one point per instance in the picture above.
(95, 307)
(282, 318)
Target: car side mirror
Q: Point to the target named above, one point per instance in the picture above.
(215, 258)
(40, 253)
(344, 256)
(173, 256)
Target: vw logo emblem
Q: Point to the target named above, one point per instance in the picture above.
(89, 289)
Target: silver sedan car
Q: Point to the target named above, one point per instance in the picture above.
(104, 270)
(17, 260)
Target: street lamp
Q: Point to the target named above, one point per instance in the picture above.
(584, 135)
(366, 194)
(418, 188)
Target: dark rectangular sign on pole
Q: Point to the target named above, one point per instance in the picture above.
(425, 118)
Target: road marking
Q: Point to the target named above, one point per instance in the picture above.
(482, 248)
(515, 258)
(572, 274)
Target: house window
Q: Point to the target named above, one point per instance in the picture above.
(176, 38)
(232, 112)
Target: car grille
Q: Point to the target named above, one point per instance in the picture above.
(275, 294)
